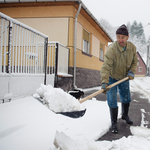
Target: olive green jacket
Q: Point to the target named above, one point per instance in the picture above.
(118, 62)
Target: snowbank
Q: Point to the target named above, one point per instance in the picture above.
(140, 140)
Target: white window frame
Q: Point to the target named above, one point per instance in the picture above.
(140, 69)
(86, 46)
(101, 54)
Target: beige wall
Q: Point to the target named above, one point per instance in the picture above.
(82, 60)
(79, 37)
(95, 46)
(55, 28)
(91, 29)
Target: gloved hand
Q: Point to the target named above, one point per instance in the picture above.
(104, 87)
(130, 75)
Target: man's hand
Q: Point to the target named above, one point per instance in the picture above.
(130, 75)
(104, 87)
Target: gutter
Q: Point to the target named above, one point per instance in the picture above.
(75, 36)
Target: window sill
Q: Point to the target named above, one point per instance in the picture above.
(84, 53)
(64, 75)
(101, 60)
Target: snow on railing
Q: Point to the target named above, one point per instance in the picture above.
(22, 48)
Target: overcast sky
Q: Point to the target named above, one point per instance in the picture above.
(118, 12)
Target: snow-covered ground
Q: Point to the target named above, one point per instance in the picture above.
(27, 124)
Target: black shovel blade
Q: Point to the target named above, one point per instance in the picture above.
(74, 114)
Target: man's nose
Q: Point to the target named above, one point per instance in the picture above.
(120, 40)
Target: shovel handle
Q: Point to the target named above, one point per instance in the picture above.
(101, 91)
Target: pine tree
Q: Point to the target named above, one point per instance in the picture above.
(137, 31)
(133, 29)
(129, 26)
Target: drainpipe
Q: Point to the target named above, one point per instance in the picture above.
(75, 36)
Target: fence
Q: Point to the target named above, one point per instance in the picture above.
(27, 59)
(21, 49)
(63, 59)
(23, 55)
(58, 59)
(62, 56)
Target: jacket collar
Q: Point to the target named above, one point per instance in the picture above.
(120, 48)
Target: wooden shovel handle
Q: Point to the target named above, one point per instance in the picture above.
(101, 91)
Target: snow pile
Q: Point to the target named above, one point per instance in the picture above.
(139, 140)
(140, 132)
(58, 100)
(64, 142)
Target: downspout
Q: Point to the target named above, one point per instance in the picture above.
(75, 36)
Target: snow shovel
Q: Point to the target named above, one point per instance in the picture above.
(77, 114)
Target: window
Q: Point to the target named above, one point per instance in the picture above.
(138, 62)
(86, 40)
(101, 51)
(140, 69)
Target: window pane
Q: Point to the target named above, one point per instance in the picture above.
(140, 69)
(101, 54)
(85, 46)
(86, 35)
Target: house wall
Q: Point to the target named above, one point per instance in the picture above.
(55, 28)
(44, 19)
(95, 46)
(140, 65)
(95, 39)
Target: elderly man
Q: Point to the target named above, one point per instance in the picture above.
(120, 61)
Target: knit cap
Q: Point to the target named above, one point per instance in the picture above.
(122, 30)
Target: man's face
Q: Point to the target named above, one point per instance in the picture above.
(122, 40)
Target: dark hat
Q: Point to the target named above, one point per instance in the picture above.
(122, 30)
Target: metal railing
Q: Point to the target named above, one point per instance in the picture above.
(60, 62)
(51, 57)
(25, 51)
(22, 49)
(58, 57)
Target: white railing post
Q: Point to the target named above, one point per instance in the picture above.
(45, 58)
(1, 48)
(9, 52)
(5, 37)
